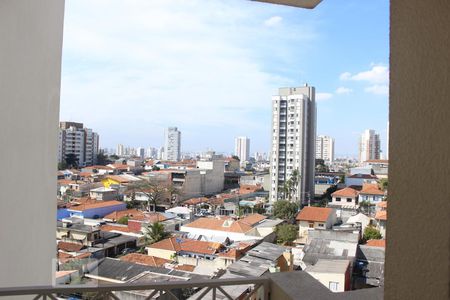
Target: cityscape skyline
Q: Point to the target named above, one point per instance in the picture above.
(115, 67)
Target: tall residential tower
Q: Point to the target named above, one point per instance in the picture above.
(242, 148)
(172, 147)
(325, 148)
(77, 140)
(293, 142)
(369, 145)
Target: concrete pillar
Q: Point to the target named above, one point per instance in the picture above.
(30, 72)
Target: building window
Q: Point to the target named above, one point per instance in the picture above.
(311, 225)
(321, 225)
(338, 199)
(333, 286)
(349, 199)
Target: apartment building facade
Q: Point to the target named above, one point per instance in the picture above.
(172, 146)
(75, 139)
(325, 148)
(369, 145)
(293, 141)
(242, 148)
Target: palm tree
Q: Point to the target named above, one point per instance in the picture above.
(154, 233)
(291, 185)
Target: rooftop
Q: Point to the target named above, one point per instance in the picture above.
(345, 192)
(315, 214)
(371, 189)
(99, 204)
(221, 224)
(187, 245)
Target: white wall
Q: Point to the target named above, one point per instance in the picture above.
(30, 67)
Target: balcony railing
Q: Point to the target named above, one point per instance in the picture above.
(259, 288)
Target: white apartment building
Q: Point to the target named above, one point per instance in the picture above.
(75, 139)
(325, 148)
(120, 150)
(242, 148)
(140, 151)
(369, 145)
(293, 141)
(172, 146)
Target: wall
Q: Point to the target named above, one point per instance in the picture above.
(325, 279)
(167, 254)
(30, 66)
(419, 143)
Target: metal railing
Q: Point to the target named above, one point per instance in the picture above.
(259, 289)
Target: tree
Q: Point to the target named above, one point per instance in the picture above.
(291, 185)
(383, 184)
(286, 233)
(156, 168)
(62, 165)
(285, 210)
(236, 157)
(114, 157)
(156, 192)
(154, 233)
(371, 233)
(123, 220)
(102, 159)
(71, 160)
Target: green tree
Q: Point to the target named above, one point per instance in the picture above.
(156, 192)
(371, 233)
(156, 168)
(285, 210)
(286, 233)
(71, 160)
(383, 184)
(123, 220)
(62, 165)
(236, 157)
(154, 233)
(102, 159)
(114, 157)
(291, 185)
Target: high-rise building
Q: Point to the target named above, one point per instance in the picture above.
(242, 148)
(140, 151)
(293, 142)
(172, 148)
(120, 150)
(77, 140)
(160, 153)
(369, 145)
(325, 148)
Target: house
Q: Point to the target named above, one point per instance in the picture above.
(181, 212)
(103, 193)
(359, 179)
(145, 259)
(381, 218)
(359, 220)
(97, 169)
(138, 222)
(77, 233)
(311, 218)
(117, 180)
(264, 258)
(371, 193)
(334, 274)
(368, 270)
(330, 244)
(117, 215)
(345, 198)
(236, 230)
(96, 210)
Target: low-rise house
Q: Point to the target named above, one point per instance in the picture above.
(117, 215)
(103, 193)
(312, 218)
(236, 230)
(117, 180)
(359, 221)
(97, 169)
(77, 233)
(371, 193)
(381, 219)
(181, 212)
(334, 274)
(359, 179)
(96, 210)
(264, 258)
(139, 222)
(369, 266)
(347, 197)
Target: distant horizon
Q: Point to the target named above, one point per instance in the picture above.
(211, 68)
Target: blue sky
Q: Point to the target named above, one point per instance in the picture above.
(209, 67)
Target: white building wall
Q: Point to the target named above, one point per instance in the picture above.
(325, 148)
(172, 148)
(242, 148)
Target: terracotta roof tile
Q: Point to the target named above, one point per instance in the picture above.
(149, 217)
(195, 201)
(345, 192)
(220, 224)
(381, 215)
(252, 219)
(115, 228)
(186, 268)
(376, 243)
(371, 189)
(315, 214)
(70, 247)
(115, 216)
(100, 204)
(382, 204)
(187, 245)
(143, 259)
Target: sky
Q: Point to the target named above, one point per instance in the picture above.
(131, 68)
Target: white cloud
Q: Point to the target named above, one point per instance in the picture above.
(323, 96)
(378, 74)
(343, 90)
(273, 21)
(378, 89)
(131, 69)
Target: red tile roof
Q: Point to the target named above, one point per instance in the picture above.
(252, 219)
(247, 189)
(143, 259)
(345, 192)
(115, 228)
(187, 245)
(149, 217)
(220, 224)
(70, 247)
(314, 214)
(381, 215)
(232, 253)
(376, 243)
(195, 201)
(371, 189)
(119, 166)
(186, 268)
(115, 216)
(83, 207)
(363, 176)
(382, 204)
